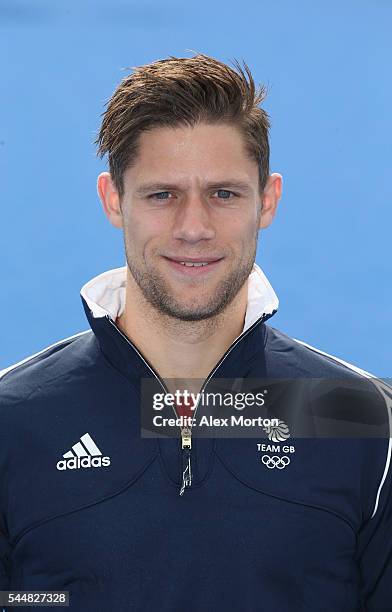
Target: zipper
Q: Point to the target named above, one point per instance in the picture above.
(186, 447)
(186, 432)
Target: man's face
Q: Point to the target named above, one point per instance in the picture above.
(192, 196)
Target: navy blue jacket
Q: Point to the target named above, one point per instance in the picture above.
(89, 506)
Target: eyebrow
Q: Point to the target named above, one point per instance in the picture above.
(149, 188)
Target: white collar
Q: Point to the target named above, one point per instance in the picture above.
(105, 295)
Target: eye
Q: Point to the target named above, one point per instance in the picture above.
(161, 195)
(224, 194)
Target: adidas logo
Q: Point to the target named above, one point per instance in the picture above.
(84, 454)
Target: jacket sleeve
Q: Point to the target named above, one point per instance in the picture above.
(5, 548)
(375, 555)
(4, 562)
(374, 540)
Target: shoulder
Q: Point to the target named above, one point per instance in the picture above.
(60, 360)
(302, 358)
(355, 401)
(341, 380)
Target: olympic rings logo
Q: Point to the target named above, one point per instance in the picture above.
(275, 461)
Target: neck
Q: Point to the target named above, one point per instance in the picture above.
(175, 348)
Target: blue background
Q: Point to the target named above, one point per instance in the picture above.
(326, 66)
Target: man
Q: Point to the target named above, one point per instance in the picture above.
(192, 522)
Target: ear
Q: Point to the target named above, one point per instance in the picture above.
(270, 198)
(110, 199)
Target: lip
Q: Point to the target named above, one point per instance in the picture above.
(193, 270)
(193, 259)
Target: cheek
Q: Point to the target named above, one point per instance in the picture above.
(144, 232)
(240, 230)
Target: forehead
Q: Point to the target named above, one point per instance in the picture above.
(204, 151)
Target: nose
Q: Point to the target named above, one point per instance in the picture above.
(193, 220)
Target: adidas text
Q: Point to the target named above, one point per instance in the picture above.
(82, 462)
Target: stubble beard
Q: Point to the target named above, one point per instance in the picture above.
(158, 294)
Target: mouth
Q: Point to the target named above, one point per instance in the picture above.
(192, 266)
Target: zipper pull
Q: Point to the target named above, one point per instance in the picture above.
(186, 446)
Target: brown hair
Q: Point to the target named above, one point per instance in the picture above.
(183, 91)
